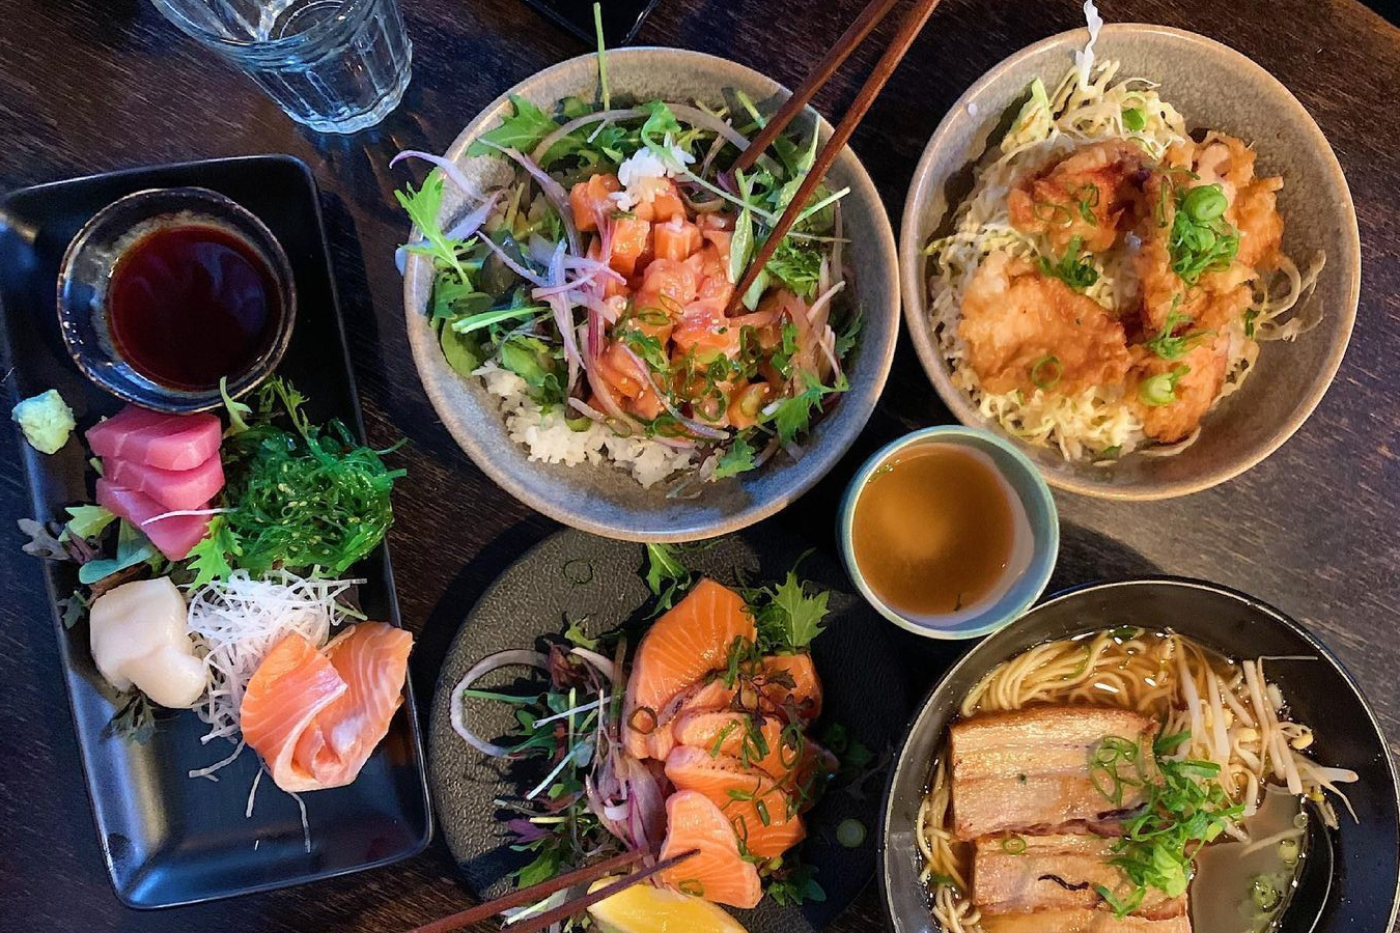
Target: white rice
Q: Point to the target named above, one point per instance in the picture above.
(549, 439)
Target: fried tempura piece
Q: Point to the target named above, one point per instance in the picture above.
(1196, 390)
(1088, 194)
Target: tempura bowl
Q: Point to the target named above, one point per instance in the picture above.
(1364, 888)
(601, 498)
(1214, 87)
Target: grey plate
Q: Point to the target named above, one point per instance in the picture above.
(863, 688)
(1362, 894)
(1214, 87)
(602, 499)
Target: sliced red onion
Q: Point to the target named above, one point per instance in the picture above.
(514, 266)
(538, 153)
(697, 117)
(471, 223)
(553, 191)
(794, 450)
(817, 316)
(564, 317)
(493, 662)
(540, 249)
(601, 308)
(547, 291)
(604, 665)
(766, 453)
(449, 169)
(691, 425)
(587, 410)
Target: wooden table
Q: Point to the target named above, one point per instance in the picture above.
(92, 85)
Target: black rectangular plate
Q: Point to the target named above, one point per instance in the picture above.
(621, 18)
(167, 838)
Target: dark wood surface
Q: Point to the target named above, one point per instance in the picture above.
(92, 85)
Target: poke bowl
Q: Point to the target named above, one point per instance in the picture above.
(1213, 337)
(620, 441)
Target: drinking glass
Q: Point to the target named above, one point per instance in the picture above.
(335, 65)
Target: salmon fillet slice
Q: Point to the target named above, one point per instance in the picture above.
(733, 734)
(691, 640)
(719, 873)
(1028, 771)
(1079, 920)
(764, 817)
(805, 694)
(315, 716)
(1031, 873)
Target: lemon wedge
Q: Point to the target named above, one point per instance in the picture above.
(645, 909)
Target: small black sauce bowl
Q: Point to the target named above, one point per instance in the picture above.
(87, 269)
(1364, 888)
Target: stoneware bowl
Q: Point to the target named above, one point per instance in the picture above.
(1214, 87)
(1351, 874)
(1023, 481)
(601, 498)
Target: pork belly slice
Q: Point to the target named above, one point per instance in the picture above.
(1055, 873)
(1079, 920)
(1028, 771)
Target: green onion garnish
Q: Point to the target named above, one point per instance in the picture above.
(851, 833)
(1134, 119)
(1046, 372)
(1160, 389)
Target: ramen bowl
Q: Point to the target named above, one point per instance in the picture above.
(1360, 890)
(1214, 87)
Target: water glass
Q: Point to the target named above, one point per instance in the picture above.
(335, 65)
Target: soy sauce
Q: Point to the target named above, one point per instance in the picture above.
(188, 304)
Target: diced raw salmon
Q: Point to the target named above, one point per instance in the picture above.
(1020, 874)
(631, 242)
(704, 333)
(676, 239)
(689, 641)
(173, 536)
(719, 873)
(174, 489)
(665, 204)
(764, 816)
(1029, 770)
(667, 286)
(316, 716)
(589, 200)
(169, 442)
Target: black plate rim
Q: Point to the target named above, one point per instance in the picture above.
(1071, 592)
(419, 757)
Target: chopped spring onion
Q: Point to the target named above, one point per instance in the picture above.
(1013, 845)
(1134, 119)
(1046, 372)
(1160, 389)
(1205, 203)
(851, 834)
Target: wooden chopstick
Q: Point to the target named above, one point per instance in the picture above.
(538, 892)
(909, 28)
(564, 911)
(873, 14)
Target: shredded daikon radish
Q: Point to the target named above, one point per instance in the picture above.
(237, 621)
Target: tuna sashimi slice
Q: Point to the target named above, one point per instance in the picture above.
(291, 686)
(170, 442)
(719, 873)
(174, 536)
(372, 658)
(692, 639)
(174, 489)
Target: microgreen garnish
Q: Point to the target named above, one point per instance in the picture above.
(666, 575)
(787, 617)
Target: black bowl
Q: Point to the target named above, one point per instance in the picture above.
(1364, 892)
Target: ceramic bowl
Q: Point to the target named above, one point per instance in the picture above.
(601, 498)
(1359, 892)
(1213, 86)
(87, 268)
(1025, 483)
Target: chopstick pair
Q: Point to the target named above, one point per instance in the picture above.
(873, 14)
(539, 892)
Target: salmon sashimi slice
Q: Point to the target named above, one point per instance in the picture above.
(316, 715)
(372, 659)
(805, 694)
(173, 536)
(719, 873)
(170, 442)
(290, 688)
(1080, 920)
(174, 489)
(691, 640)
(1055, 873)
(735, 734)
(1029, 770)
(763, 815)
